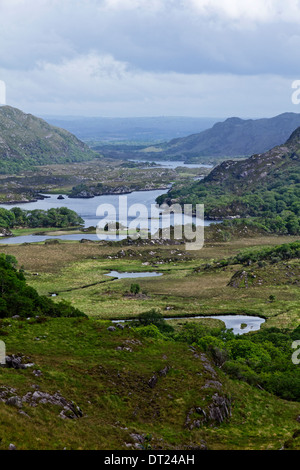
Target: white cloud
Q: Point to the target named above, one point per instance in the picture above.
(101, 85)
(117, 57)
(145, 5)
(265, 11)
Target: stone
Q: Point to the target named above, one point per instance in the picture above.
(164, 371)
(37, 373)
(14, 401)
(153, 381)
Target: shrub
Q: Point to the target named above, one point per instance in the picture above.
(135, 289)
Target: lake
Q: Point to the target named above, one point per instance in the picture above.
(133, 275)
(87, 209)
(174, 164)
(240, 324)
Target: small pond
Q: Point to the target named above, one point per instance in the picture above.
(133, 275)
(240, 324)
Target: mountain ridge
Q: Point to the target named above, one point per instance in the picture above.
(234, 137)
(265, 187)
(26, 141)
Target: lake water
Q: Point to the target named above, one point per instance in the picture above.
(174, 164)
(235, 322)
(87, 208)
(133, 275)
(238, 322)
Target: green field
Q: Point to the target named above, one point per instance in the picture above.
(107, 373)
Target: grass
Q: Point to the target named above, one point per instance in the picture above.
(76, 271)
(79, 358)
(19, 232)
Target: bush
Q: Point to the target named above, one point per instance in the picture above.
(17, 298)
(135, 289)
(240, 371)
(150, 331)
(152, 317)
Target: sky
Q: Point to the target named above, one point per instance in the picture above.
(131, 58)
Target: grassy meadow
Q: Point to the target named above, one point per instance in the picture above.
(107, 373)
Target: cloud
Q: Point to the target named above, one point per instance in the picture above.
(260, 11)
(148, 56)
(101, 85)
(191, 36)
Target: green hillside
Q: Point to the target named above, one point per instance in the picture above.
(232, 138)
(264, 189)
(27, 141)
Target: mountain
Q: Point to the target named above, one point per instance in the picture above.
(26, 141)
(259, 169)
(233, 137)
(264, 188)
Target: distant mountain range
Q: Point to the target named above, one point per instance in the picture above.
(140, 129)
(233, 137)
(26, 141)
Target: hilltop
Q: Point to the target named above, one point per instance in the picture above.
(264, 187)
(26, 141)
(231, 138)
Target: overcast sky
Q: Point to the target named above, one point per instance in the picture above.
(119, 58)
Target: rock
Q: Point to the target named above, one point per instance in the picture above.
(15, 362)
(212, 384)
(37, 373)
(153, 381)
(220, 409)
(217, 412)
(111, 328)
(121, 327)
(4, 232)
(70, 410)
(164, 371)
(14, 401)
(12, 447)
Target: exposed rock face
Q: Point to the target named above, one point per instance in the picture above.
(4, 232)
(17, 362)
(217, 411)
(68, 408)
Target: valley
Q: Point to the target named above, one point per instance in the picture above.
(143, 344)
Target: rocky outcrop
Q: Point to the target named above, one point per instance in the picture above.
(18, 362)
(4, 232)
(214, 414)
(69, 409)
